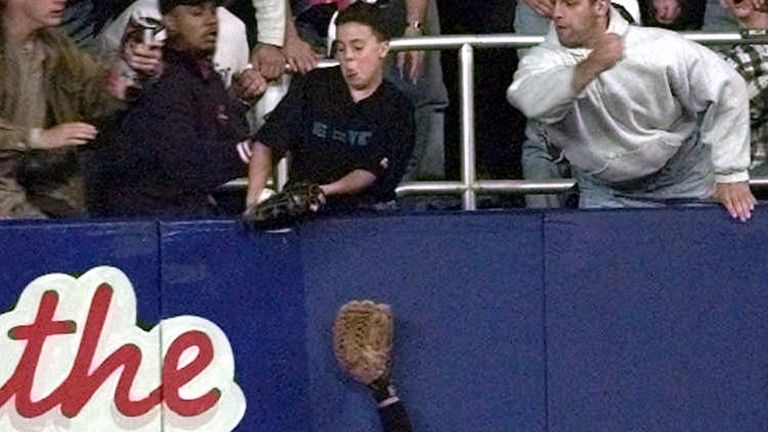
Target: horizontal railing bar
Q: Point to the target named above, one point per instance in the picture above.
(436, 187)
(515, 40)
(519, 187)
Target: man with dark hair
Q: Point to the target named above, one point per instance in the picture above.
(178, 141)
(645, 117)
(348, 129)
(52, 96)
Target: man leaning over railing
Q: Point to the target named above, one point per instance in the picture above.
(645, 117)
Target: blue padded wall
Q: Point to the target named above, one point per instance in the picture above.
(643, 320)
(31, 249)
(249, 284)
(657, 321)
(466, 291)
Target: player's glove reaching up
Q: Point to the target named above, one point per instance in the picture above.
(362, 340)
(295, 202)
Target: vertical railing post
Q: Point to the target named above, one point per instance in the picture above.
(281, 175)
(467, 100)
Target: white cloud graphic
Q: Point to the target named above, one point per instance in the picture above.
(107, 289)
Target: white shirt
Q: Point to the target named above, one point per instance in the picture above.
(232, 51)
(630, 120)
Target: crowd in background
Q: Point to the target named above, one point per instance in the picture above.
(94, 168)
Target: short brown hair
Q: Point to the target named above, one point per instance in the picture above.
(368, 15)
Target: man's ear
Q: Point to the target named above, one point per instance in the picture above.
(383, 49)
(603, 7)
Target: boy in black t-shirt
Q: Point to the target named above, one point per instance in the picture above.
(348, 129)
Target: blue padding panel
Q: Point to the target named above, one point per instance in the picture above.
(657, 321)
(31, 249)
(466, 291)
(249, 284)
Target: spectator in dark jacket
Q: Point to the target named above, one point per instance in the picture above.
(178, 141)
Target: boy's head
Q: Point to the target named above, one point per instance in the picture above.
(366, 14)
(361, 45)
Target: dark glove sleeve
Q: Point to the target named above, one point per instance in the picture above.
(394, 418)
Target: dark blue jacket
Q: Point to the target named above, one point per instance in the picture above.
(172, 147)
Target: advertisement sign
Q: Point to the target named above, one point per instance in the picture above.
(75, 358)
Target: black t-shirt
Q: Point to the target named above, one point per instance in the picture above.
(329, 135)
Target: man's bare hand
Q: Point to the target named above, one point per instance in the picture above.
(737, 199)
(608, 51)
(67, 134)
(249, 85)
(301, 58)
(145, 58)
(541, 7)
(270, 60)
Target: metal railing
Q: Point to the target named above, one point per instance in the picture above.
(470, 186)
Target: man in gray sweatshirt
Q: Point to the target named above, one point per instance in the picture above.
(645, 117)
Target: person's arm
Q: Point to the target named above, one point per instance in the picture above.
(273, 140)
(268, 60)
(548, 81)
(737, 198)
(411, 63)
(249, 85)
(299, 54)
(541, 88)
(710, 86)
(270, 19)
(392, 413)
(394, 418)
(351, 184)
(22, 139)
(95, 102)
(608, 51)
(259, 172)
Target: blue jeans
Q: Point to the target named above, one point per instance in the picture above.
(542, 161)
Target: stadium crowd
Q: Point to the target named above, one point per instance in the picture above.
(143, 108)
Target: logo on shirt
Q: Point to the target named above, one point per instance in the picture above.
(350, 137)
(73, 358)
